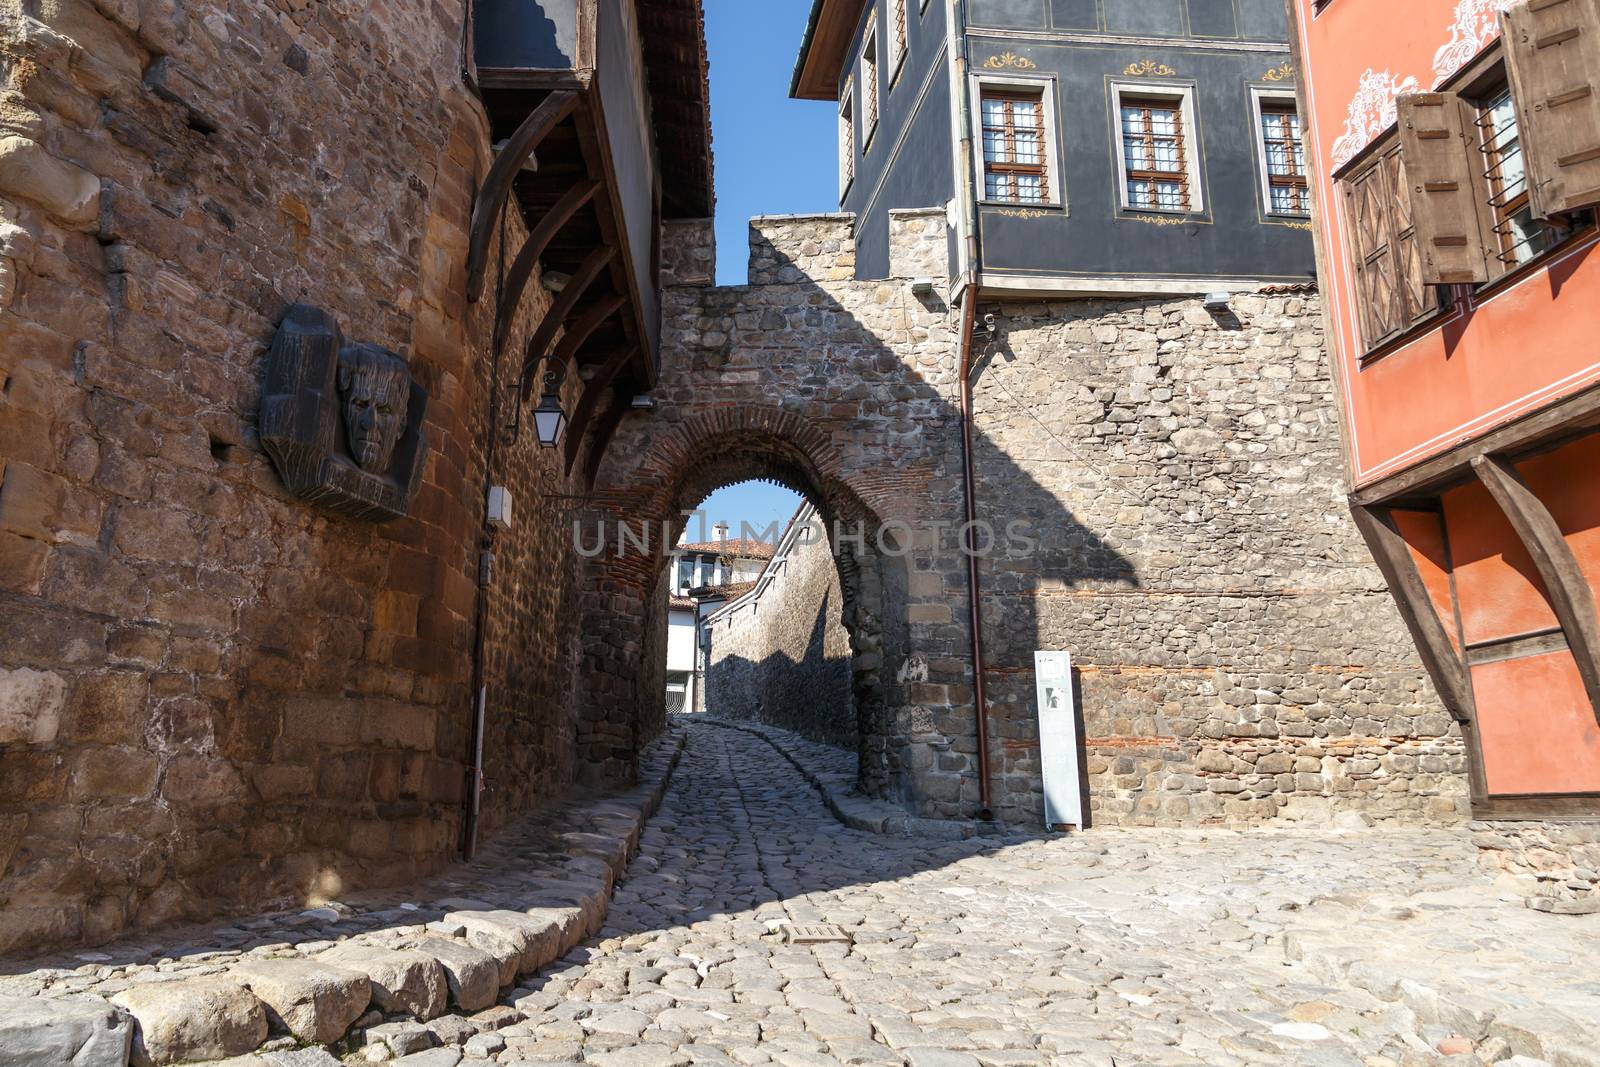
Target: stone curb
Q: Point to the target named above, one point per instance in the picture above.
(853, 810)
(1542, 1034)
(473, 954)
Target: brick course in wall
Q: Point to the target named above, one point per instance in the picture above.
(781, 655)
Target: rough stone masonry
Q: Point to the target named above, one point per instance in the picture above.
(1178, 473)
(211, 694)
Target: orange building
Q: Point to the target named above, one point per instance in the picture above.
(1455, 154)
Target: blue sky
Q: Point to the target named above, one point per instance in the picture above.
(758, 503)
(774, 156)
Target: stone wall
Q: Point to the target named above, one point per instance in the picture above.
(1237, 653)
(1239, 658)
(229, 696)
(783, 657)
(1554, 865)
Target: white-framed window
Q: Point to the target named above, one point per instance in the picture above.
(1016, 144)
(898, 37)
(847, 138)
(869, 89)
(1285, 191)
(1158, 148)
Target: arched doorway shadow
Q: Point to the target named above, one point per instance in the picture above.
(724, 448)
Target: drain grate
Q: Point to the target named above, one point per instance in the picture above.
(815, 934)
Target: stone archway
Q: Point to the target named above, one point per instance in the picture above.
(679, 470)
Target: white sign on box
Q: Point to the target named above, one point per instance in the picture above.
(1058, 740)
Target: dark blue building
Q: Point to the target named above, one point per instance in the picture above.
(1103, 146)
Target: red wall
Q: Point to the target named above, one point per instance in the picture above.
(1490, 360)
(1536, 726)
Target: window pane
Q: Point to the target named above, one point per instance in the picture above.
(1027, 146)
(995, 187)
(1285, 200)
(994, 146)
(1030, 188)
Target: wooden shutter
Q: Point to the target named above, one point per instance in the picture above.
(1438, 182)
(1374, 260)
(1553, 59)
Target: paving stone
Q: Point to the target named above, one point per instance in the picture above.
(316, 1002)
(402, 980)
(402, 1038)
(68, 1031)
(207, 1018)
(472, 975)
(435, 1057)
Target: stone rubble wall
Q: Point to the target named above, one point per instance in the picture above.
(783, 658)
(1238, 655)
(231, 698)
(1554, 865)
(1239, 658)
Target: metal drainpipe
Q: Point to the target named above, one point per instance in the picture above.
(480, 685)
(969, 315)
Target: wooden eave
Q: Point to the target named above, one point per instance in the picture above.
(678, 72)
(826, 48)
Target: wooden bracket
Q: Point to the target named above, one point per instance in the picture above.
(1445, 664)
(577, 285)
(533, 248)
(593, 390)
(621, 401)
(1564, 583)
(497, 183)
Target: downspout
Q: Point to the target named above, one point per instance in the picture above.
(480, 624)
(969, 315)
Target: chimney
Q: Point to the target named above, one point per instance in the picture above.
(722, 531)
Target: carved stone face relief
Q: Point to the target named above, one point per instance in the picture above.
(314, 383)
(374, 390)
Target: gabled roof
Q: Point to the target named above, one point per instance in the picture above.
(741, 548)
(822, 54)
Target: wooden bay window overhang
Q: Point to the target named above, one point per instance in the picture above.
(600, 117)
(824, 52)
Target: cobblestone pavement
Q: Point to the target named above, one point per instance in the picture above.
(1367, 948)
(1124, 948)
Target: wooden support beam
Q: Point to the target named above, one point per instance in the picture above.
(604, 430)
(565, 301)
(593, 390)
(583, 328)
(576, 334)
(533, 248)
(1564, 583)
(497, 183)
(1445, 664)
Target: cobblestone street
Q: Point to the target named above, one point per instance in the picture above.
(1117, 947)
(1121, 948)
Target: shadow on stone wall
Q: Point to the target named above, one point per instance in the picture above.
(809, 695)
(846, 392)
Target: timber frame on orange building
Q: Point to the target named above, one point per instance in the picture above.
(1455, 163)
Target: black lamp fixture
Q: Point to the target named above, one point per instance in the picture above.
(549, 419)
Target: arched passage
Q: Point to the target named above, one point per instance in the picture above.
(630, 586)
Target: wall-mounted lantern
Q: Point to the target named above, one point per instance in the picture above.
(549, 419)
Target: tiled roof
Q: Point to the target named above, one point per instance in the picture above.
(1284, 290)
(682, 603)
(731, 591)
(740, 548)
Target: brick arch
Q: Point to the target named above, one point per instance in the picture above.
(790, 441)
(683, 466)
